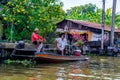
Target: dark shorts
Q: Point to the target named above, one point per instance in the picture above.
(60, 52)
(35, 42)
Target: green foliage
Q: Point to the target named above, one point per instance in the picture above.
(24, 62)
(117, 21)
(79, 43)
(23, 16)
(82, 12)
(90, 12)
(0, 29)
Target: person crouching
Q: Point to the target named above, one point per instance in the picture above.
(37, 39)
(61, 43)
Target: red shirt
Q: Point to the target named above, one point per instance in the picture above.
(35, 37)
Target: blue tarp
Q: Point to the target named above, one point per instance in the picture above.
(40, 52)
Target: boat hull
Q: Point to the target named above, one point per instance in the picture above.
(46, 56)
(58, 58)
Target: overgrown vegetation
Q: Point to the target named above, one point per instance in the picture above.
(23, 62)
(21, 17)
(90, 12)
(79, 43)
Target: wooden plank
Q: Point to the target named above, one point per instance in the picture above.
(25, 49)
(50, 48)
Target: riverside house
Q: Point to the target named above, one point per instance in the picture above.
(90, 30)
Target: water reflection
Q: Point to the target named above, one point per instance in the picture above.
(97, 68)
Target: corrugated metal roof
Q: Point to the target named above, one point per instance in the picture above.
(92, 25)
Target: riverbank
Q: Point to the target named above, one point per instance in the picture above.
(12, 45)
(7, 48)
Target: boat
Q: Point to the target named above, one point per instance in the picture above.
(45, 56)
(59, 58)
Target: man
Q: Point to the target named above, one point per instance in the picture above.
(68, 36)
(37, 39)
(61, 43)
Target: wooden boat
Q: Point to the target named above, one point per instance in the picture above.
(45, 56)
(58, 58)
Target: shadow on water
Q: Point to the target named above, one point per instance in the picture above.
(96, 68)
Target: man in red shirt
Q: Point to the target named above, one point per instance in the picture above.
(37, 39)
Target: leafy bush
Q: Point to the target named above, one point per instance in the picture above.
(79, 43)
(21, 17)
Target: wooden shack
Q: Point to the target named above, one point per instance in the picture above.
(92, 31)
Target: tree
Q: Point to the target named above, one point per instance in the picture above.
(90, 12)
(82, 12)
(117, 21)
(21, 17)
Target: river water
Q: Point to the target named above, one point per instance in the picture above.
(96, 68)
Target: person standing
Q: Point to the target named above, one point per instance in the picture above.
(37, 39)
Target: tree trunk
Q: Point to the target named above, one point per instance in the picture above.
(103, 24)
(113, 22)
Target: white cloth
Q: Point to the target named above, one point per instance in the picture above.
(96, 37)
(85, 48)
(39, 47)
(61, 43)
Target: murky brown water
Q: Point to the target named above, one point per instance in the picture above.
(97, 68)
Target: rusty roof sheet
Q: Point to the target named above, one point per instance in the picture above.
(93, 25)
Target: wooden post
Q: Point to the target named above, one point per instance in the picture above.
(113, 22)
(1, 30)
(11, 32)
(103, 24)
